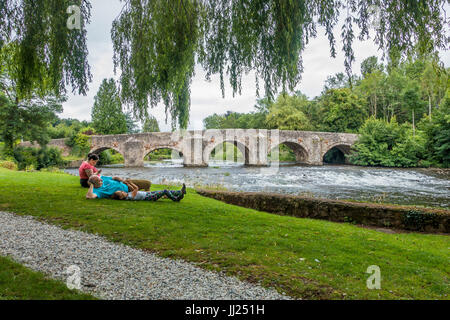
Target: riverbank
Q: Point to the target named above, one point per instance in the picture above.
(365, 214)
(305, 258)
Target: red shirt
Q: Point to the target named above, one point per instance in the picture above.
(86, 166)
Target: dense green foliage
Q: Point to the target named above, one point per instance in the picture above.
(158, 155)
(437, 132)
(23, 117)
(388, 144)
(400, 109)
(107, 116)
(288, 113)
(341, 110)
(26, 120)
(65, 128)
(37, 158)
(306, 258)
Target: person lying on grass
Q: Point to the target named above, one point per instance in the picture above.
(104, 187)
(135, 194)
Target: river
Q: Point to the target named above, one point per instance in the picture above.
(389, 185)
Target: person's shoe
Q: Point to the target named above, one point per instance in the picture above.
(183, 190)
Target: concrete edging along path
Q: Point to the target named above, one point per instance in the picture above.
(115, 271)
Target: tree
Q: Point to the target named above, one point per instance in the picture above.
(437, 130)
(341, 111)
(412, 101)
(157, 43)
(150, 125)
(46, 54)
(23, 118)
(339, 80)
(107, 116)
(370, 65)
(27, 120)
(433, 83)
(287, 114)
(371, 88)
(132, 125)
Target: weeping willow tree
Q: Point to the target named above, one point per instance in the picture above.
(39, 57)
(158, 42)
(47, 55)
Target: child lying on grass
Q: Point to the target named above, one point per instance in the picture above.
(135, 194)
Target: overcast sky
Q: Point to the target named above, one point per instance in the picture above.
(206, 97)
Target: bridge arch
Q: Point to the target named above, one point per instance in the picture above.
(342, 150)
(99, 150)
(301, 152)
(241, 147)
(162, 147)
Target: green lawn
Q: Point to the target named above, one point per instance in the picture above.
(18, 282)
(303, 257)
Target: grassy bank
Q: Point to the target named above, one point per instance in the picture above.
(20, 283)
(302, 257)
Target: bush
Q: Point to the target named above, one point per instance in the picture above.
(29, 158)
(49, 157)
(80, 144)
(25, 157)
(437, 131)
(11, 165)
(389, 144)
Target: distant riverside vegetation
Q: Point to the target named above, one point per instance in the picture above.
(402, 113)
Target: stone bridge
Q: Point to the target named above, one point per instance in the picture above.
(196, 146)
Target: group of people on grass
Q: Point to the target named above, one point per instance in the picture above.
(120, 189)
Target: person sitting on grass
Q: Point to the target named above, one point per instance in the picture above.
(135, 194)
(104, 187)
(88, 168)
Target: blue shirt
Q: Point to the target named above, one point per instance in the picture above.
(108, 187)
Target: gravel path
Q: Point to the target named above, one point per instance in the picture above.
(115, 271)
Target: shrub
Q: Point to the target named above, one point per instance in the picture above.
(11, 165)
(29, 158)
(417, 220)
(389, 144)
(25, 157)
(49, 157)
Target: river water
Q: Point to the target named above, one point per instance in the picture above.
(399, 186)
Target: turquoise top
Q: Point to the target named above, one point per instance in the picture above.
(108, 187)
